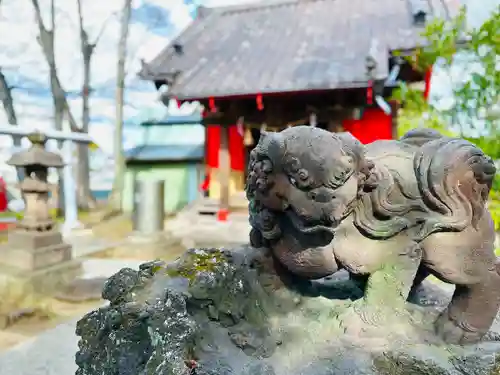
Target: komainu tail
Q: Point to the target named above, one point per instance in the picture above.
(454, 178)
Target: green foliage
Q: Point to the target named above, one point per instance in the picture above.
(477, 95)
(488, 144)
(494, 207)
(410, 119)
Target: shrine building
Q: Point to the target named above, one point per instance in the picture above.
(272, 64)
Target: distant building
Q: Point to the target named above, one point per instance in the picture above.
(172, 149)
(272, 64)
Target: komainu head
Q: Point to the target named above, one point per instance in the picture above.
(312, 176)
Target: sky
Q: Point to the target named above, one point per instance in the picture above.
(154, 23)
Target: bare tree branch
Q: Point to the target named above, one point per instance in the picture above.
(103, 27)
(115, 199)
(83, 34)
(53, 15)
(7, 100)
(46, 41)
(85, 198)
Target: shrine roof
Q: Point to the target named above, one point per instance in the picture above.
(165, 153)
(288, 45)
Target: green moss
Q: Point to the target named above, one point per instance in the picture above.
(391, 364)
(82, 215)
(196, 262)
(383, 287)
(495, 370)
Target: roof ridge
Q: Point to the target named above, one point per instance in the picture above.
(257, 4)
(198, 24)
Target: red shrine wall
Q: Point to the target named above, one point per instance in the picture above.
(372, 126)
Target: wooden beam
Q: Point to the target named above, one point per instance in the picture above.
(394, 118)
(279, 111)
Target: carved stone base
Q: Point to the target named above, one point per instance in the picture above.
(33, 240)
(29, 251)
(46, 280)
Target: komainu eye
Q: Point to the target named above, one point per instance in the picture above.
(293, 181)
(322, 195)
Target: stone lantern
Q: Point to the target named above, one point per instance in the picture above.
(35, 249)
(35, 188)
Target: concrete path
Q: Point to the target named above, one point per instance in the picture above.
(200, 230)
(52, 352)
(84, 243)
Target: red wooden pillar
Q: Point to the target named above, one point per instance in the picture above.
(224, 173)
(394, 118)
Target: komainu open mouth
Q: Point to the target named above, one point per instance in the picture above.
(309, 226)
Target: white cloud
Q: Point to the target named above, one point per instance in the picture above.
(21, 56)
(179, 12)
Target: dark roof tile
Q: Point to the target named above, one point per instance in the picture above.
(172, 153)
(192, 119)
(287, 45)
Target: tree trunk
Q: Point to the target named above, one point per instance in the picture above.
(115, 200)
(58, 124)
(7, 101)
(84, 195)
(8, 105)
(61, 106)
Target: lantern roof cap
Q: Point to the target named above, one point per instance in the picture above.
(36, 154)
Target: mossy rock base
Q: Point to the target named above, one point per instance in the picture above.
(235, 312)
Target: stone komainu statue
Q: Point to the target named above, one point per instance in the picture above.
(417, 207)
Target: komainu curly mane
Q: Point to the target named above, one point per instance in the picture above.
(452, 180)
(423, 184)
(263, 221)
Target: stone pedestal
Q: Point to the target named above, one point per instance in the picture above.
(40, 258)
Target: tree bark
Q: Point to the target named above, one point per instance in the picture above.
(61, 106)
(46, 41)
(115, 200)
(8, 105)
(84, 195)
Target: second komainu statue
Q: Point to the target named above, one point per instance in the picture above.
(391, 213)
